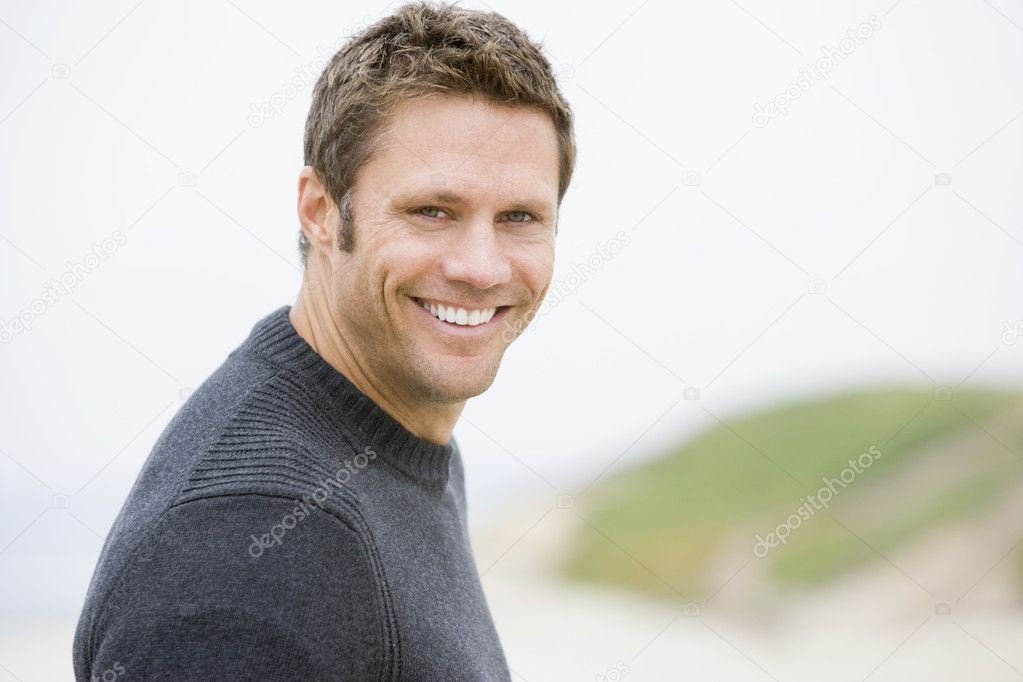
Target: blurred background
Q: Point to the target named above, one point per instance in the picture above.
(769, 422)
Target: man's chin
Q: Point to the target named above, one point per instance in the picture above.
(462, 379)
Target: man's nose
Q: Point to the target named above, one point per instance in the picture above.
(476, 255)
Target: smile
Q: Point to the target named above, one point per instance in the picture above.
(459, 316)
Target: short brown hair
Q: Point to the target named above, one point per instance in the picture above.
(421, 49)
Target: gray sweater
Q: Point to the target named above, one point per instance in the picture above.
(285, 526)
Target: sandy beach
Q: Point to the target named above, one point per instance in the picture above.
(941, 610)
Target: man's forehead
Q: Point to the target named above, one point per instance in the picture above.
(445, 121)
(455, 150)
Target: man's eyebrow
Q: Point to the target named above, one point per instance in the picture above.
(538, 206)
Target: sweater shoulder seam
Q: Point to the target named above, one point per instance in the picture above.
(130, 556)
(389, 639)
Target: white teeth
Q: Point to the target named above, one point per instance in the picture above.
(460, 316)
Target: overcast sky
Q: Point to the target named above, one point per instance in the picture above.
(787, 232)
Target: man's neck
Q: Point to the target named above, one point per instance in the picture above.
(431, 421)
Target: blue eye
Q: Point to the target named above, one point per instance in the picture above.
(419, 211)
(521, 213)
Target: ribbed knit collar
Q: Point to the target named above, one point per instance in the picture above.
(277, 340)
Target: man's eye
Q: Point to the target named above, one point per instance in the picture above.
(420, 211)
(520, 213)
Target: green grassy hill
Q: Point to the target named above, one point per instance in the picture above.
(939, 460)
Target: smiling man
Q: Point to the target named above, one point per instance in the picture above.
(303, 516)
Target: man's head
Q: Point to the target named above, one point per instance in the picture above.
(422, 49)
(438, 149)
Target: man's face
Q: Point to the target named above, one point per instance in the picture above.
(457, 210)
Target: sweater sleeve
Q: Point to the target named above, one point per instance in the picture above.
(245, 587)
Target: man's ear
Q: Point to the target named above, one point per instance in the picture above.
(316, 211)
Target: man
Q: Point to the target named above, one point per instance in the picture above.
(303, 515)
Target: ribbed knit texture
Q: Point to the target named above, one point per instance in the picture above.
(285, 526)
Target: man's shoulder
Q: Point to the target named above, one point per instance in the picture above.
(274, 443)
(238, 490)
(250, 427)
